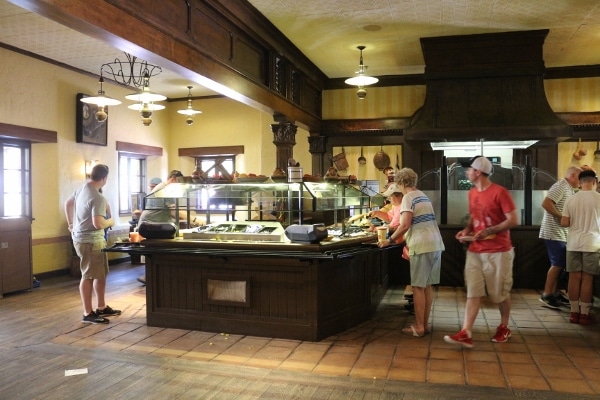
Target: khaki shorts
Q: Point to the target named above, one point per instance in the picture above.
(94, 262)
(489, 273)
(585, 261)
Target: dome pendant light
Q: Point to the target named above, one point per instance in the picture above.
(189, 111)
(361, 80)
(146, 99)
(101, 101)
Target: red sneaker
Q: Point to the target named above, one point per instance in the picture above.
(574, 318)
(502, 334)
(461, 338)
(586, 319)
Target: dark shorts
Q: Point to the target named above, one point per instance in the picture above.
(557, 252)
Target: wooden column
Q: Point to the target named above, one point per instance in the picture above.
(284, 139)
(317, 149)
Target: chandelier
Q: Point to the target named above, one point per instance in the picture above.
(189, 111)
(361, 80)
(132, 72)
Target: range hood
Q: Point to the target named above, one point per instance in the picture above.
(486, 87)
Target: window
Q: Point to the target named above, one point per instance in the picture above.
(132, 182)
(216, 166)
(15, 184)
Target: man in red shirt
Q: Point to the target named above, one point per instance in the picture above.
(489, 261)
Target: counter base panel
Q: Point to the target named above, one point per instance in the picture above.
(303, 299)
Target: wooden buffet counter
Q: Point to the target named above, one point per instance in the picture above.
(284, 290)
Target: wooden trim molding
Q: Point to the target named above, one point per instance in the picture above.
(211, 151)
(34, 135)
(134, 148)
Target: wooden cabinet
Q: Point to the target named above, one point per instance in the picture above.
(15, 255)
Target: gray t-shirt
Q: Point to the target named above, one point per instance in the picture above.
(157, 209)
(88, 203)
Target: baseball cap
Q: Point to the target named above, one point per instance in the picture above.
(155, 181)
(480, 163)
(393, 188)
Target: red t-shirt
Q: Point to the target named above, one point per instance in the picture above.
(488, 208)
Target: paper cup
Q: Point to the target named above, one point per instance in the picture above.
(381, 233)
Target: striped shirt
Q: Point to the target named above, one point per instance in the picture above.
(550, 228)
(423, 236)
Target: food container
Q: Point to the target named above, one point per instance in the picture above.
(294, 174)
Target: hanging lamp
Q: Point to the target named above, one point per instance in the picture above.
(361, 80)
(189, 111)
(101, 101)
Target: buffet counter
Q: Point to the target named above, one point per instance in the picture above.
(287, 290)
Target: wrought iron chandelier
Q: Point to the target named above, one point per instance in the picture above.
(132, 72)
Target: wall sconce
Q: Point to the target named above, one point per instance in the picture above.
(189, 111)
(89, 165)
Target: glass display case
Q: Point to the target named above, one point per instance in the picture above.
(287, 203)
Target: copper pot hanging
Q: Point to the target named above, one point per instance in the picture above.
(381, 160)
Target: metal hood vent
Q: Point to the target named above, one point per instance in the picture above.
(486, 87)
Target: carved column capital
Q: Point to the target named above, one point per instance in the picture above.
(316, 144)
(284, 134)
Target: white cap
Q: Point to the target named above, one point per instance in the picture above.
(482, 164)
(393, 188)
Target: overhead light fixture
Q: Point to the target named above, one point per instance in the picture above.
(507, 144)
(132, 72)
(361, 80)
(145, 101)
(101, 101)
(189, 111)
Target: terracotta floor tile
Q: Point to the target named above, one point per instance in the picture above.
(528, 383)
(446, 365)
(449, 377)
(338, 364)
(565, 371)
(571, 386)
(559, 358)
(484, 368)
(522, 369)
(490, 356)
(483, 378)
(524, 358)
(408, 374)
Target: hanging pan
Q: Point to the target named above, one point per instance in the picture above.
(381, 160)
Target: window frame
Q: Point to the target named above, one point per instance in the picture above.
(141, 183)
(24, 192)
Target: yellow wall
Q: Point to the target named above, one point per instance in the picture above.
(225, 122)
(40, 95)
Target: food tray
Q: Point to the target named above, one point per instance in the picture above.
(218, 181)
(316, 179)
(279, 178)
(253, 179)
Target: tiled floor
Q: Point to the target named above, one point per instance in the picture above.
(545, 352)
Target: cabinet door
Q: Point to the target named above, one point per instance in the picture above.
(15, 261)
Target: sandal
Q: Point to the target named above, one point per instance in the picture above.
(411, 331)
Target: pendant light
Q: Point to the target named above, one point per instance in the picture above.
(189, 111)
(101, 101)
(145, 101)
(361, 80)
